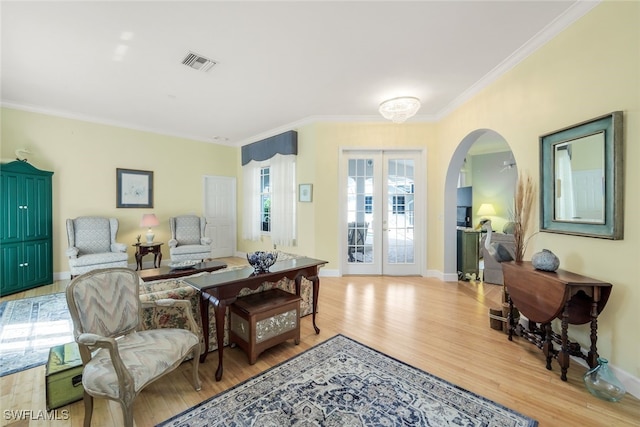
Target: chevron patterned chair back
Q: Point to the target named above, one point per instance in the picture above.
(119, 358)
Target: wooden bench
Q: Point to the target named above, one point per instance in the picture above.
(260, 321)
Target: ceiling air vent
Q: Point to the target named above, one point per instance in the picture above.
(198, 62)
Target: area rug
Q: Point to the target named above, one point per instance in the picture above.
(29, 327)
(344, 383)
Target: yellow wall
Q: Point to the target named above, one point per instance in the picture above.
(84, 157)
(590, 69)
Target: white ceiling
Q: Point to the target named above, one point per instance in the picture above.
(280, 64)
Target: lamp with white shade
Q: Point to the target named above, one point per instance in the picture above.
(149, 220)
(486, 210)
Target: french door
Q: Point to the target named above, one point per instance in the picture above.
(382, 212)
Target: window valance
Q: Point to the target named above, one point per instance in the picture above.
(285, 143)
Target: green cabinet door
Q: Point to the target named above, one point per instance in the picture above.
(10, 256)
(10, 209)
(25, 227)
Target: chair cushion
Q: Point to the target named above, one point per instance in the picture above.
(99, 259)
(93, 235)
(188, 230)
(190, 249)
(146, 355)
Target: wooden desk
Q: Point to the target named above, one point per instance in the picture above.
(222, 289)
(164, 273)
(543, 296)
(143, 249)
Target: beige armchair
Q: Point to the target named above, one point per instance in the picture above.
(120, 359)
(188, 242)
(92, 244)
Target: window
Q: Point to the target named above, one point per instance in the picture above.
(265, 199)
(368, 204)
(398, 204)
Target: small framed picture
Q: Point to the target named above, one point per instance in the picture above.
(305, 192)
(134, 188)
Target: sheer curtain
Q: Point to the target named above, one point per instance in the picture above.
(251, 216)
(283, 200)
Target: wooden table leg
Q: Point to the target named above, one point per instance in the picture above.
(316, 290)
(510, 325)
(563, 355)
(547, 347)
(592, 357)
(138, 260)
(219, 307)
(204, 316)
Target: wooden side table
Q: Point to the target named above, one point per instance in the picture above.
(543, 296)
(143, 249)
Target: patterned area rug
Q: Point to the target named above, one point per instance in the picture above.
(29, 327)
(343, 383)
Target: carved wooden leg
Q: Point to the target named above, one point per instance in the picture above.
(220, 307)
(204, 316)
(592, 357)
(547, 347)
(88, 409)
(563, 355)
(510, 324)
(316, 291)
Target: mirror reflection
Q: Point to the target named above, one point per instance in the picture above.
(579, 177)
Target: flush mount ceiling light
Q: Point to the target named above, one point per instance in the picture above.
(399, 109)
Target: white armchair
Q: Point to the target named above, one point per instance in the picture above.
(188, 242)
(92, 244)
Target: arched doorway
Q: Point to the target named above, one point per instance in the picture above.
(493, 184)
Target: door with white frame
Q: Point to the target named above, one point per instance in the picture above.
(382, 212)
(220, 212)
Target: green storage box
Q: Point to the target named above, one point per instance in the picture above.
(63, 376)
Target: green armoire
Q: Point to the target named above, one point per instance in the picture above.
(25, 227)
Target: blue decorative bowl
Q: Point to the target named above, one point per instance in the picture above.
(261, 261)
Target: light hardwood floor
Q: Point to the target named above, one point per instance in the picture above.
(440, 327)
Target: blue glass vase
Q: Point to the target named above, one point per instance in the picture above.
(602, 383)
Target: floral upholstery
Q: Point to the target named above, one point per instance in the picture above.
(119, 359)
(188, 242)
(177, 289)
(92, 244)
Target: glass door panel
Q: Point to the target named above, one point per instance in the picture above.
(381, 215)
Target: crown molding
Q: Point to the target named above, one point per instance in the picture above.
(571, 15)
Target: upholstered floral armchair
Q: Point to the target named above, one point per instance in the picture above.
(188, 242)
(92, 244)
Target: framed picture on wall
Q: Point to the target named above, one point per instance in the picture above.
(134, 188)
(305, 192)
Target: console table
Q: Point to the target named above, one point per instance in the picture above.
(543, 296)
(222, 289)
(143, 249)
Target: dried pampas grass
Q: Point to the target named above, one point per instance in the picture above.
(523, 203)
